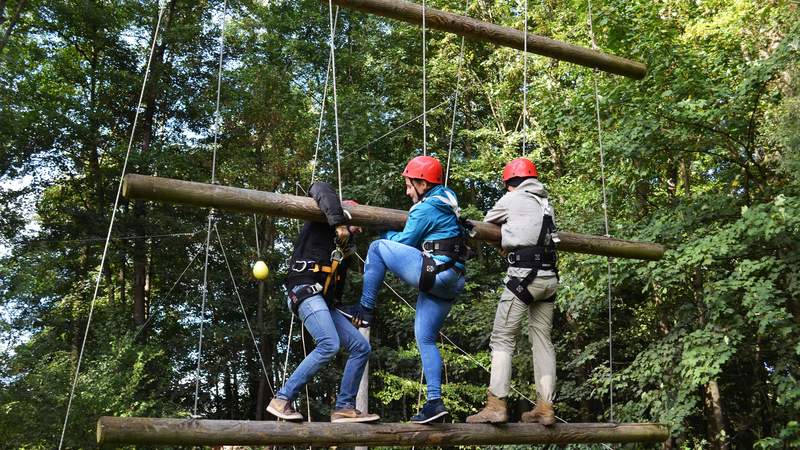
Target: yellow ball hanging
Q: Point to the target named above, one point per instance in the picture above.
(260, 270)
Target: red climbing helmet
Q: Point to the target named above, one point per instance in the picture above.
(426, 168)
(520, 167)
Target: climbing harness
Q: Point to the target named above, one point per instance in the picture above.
(327, 272)
(454, 248)
(541, 256)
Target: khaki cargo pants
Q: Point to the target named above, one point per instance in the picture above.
(510, 313)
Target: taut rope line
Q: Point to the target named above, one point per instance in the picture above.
(162, 6)
(605, 220)
(217, 123)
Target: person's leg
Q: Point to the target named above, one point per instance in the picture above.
(448, 284)
(318, 320)
(510, 313)
(358, 355)
(402, 260)
(430, 316)
(540, 325)
(507, 319)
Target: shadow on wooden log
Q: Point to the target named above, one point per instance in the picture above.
(488, 32)
(146, 431)
(305, 208)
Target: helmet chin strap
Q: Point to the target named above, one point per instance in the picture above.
(416, 191)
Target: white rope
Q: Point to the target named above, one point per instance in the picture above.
(144, 325)
(525, 85)
(110, 228)
(455, 104)
(288, 347)
(424, 86)
(605, 220)
(217, 117)
(216, 127)
(396, 129)
(202, 317)
(322, 106)
(244, 313)
(255, 225)
(335, 100)
(305, 355)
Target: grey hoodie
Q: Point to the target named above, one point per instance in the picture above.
(519, 214)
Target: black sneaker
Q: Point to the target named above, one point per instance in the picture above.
(432, 410)
(358, 315)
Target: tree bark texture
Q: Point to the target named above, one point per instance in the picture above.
(305, 208)
(495, 34)
(146, 431)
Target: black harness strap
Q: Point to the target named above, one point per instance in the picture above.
(454, 248)
(302, 294)
(537, 257)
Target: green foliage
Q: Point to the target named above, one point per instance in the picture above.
(702, 155)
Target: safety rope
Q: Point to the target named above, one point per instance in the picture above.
(244, 312)
(525, 85)
(178, 280)
(255, 226)
(605, 220)
(335, 100)
(455, 104)
(216, 128)
(305, 355)
(102, 239)
(424, 85)
(396, 129)
(322, 106)
(162, 6)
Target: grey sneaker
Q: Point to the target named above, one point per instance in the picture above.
(352, 415)
(283, 409)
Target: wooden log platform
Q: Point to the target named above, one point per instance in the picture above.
(146, 431)
(305, 208)
(498, 35)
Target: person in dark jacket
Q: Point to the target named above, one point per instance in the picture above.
(316, 277)
(428, 254)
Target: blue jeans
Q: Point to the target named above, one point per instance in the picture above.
(432, 309)
(331, 330)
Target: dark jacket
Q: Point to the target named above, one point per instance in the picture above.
(316, 242)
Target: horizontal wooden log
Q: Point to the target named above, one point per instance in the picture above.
(305, 208)
(495, 34)
(146, 431)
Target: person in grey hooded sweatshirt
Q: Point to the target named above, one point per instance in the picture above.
(528, 238)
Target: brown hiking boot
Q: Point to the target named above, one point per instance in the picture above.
(542, 413)
(496, 411)
(283, 409)
(353, 415)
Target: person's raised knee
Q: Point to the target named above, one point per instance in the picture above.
(328, 347)
(360, 347)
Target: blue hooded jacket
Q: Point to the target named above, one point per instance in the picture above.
(428, 220)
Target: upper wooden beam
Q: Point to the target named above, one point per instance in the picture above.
(496, 34)
(305, 208)
(145, 431)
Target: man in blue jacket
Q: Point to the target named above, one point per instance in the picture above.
(428, 254)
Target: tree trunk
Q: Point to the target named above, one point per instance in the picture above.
(11, 23)
(262, 381)
(140, 259)
(716, 429)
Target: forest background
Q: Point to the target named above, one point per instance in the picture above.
(702, 155)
